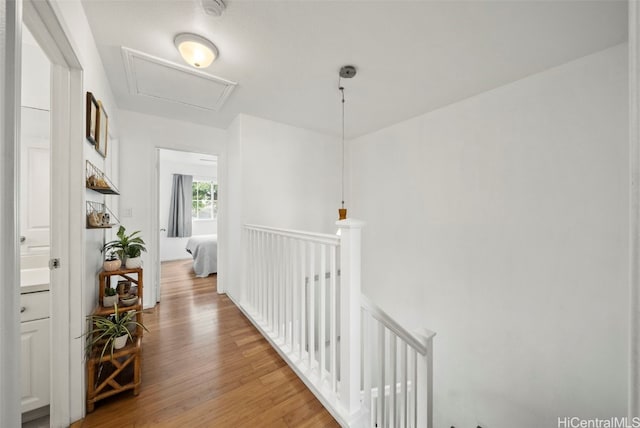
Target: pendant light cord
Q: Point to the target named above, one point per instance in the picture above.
(341, 88)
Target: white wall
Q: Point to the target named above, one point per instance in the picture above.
(500, 222)
(140, 136)
(282, 176)
(174, 248)
(36, 75)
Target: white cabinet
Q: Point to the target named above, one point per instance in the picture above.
(35, 350)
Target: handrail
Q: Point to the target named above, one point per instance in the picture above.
(419, 340)
(321, 238)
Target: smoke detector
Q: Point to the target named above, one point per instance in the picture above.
(213, 7)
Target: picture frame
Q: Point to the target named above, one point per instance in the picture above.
(102, 139)
(92, 118)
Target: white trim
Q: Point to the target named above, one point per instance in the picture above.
(155, 224)
(155, 219)
(320, 238)
(634, 210)
(67, 365)
(128, 56)
(10, 80)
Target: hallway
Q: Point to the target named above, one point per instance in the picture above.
(205, 365)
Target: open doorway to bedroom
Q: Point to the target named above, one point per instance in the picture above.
(188, 212)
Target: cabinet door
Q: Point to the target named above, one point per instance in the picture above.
(35, 364)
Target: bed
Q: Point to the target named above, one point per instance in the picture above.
(204, 249)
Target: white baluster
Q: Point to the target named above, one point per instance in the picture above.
(381, 375)
(288, 328)
(311, 319)
(367, 352)
(278, 287)
(295, 307)
(403, 384)
(414, 387)
(263, 276)
(281, 295)
(256, 268)
(323, 310)
(259, 274)
(303, 299)
(332, 318)
(392, 387)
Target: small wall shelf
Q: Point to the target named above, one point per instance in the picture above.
(98, 181)
(99, 216)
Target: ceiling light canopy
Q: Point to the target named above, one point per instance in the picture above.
(197, 51)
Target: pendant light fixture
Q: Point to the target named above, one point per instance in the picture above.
(196, 51)
(346, 72)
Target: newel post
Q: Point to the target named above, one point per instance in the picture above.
(424, 387)
(350, 290)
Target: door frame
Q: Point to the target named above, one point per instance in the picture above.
(155, 219)
(66, 373)
(66, 358)
(634, 210)
(10, 65)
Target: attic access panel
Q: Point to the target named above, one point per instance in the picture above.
(158, 78)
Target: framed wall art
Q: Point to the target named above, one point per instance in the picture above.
(92, 118)
(102, 130)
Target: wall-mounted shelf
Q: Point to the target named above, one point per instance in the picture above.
(99, 216)
(98, 181)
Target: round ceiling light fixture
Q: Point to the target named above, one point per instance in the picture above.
(197, 51)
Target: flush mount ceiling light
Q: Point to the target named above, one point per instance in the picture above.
(197, 51)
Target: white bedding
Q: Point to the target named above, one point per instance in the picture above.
(204, 249)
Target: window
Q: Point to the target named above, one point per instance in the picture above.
(205, 200)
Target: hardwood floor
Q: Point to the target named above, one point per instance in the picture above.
(205, 365)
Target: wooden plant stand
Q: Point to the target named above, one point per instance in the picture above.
(107, 376)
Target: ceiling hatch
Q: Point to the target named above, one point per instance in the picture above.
(158, 78)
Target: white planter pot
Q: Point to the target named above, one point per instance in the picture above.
(133, 262)
(119, 342)
(109, 301)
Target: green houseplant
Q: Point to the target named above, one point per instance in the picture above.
(126, 245)
(111, 332)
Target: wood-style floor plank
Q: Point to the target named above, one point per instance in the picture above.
(205, 365)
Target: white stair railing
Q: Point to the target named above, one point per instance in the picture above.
(302, 291)
(397, 371)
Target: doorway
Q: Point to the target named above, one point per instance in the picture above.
(35, 232)
(63, 81)
(201, 171)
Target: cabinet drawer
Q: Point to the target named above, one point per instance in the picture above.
(34, 306)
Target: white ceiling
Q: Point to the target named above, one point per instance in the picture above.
(412, 56)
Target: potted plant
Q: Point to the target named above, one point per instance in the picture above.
(110, 297)
(111, 262)
(126, 244)
(111, 332)
(133, 259)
